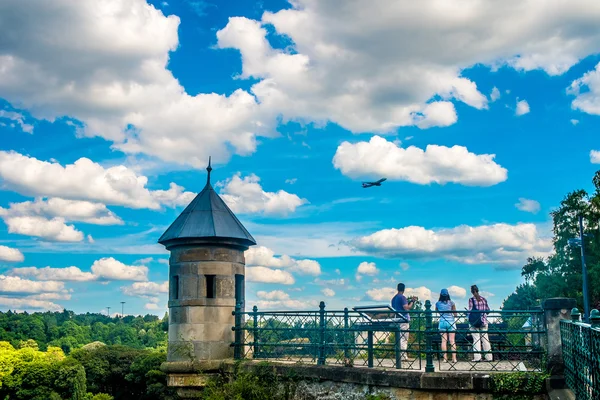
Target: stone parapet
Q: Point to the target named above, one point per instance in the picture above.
(555, 310)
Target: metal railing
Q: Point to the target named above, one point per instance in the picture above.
(581, 354)
(350, 338)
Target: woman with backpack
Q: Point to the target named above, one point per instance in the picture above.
(479, 325)
(447, 325)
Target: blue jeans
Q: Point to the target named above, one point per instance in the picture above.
(446, 326)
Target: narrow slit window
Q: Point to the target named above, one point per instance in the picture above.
(211, 286)
(175, 287)
(239, 289)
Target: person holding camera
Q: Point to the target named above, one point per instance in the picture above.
(401, 303)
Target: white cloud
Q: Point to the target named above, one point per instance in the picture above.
(112, 79)
(381, 294)
(348, 66)
(110, 269)
(174, 197)
(495, 94)
(436, 164)
(404, 265)
(366, 268)
(17, 119)
(273, 295)
(70, 210)
(246, 196)
(421, 292)
(574, 121)
(151, 306)
(11, 255)
(328, 292)
(269, 275)
(528, 205)
(587, 92)
(26, 303)
(457, 292)
(522, 108)
(72, 274)
(595, 156)
(14, 284)
(82, 180)
(291, 181)
(265, 257)
(54, 229)
(90, 239)
(146, 289)
(500, 244)
(64, 295)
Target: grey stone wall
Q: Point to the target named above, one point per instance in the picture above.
(200, 327)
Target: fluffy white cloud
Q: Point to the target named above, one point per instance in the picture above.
(587, 92)
(367, 268)
(151, 306)
(11, 255)
(82, 180)
(348, 65)
(522, 108)
(64, 295)
(26, 303)
(574, 121)
(272, 295)
(265, 257)
(72, 274)
(16, 119)
(115, 80)
(269, 275)
(386, 293)
(246, 196)
(70, 210)
(54, 229)
(381, 294)
(457, 292)
(174, 197)
(145, 289)
(595, 157)
(328, 292)
(379, 157)
(110, 269)
(15, 284)
(501, 244)
(528, 205)
(495, 95)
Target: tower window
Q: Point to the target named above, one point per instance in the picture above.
(175, 287)
(211, 286)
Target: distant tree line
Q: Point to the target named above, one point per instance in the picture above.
(560, 274)
(67, 330)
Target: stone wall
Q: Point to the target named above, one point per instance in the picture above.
(200, 326)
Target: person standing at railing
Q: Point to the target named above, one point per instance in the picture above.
(447, 324)
(401, 303)
(479, 325)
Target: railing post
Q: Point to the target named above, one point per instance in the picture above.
(370, 348)
(595, 318)
(346, 336)
(255, 348)
(237, 349)
(428, 337)
(575, 315)
(555, 310)
(321, 357)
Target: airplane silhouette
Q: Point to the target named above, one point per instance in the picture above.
(369, 184)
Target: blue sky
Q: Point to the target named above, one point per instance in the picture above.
(480, 124)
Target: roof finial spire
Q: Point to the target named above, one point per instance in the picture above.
(209, 168)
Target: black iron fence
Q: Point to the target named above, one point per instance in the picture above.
(381, 337)
(581, 354)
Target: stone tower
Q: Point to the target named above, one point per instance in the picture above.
(206, 280)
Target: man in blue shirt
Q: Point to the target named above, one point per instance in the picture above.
(400, 302)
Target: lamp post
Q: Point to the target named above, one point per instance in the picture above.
(108, 312)
(579, 242)
(122, 308)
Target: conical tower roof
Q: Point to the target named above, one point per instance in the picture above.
(207, 219)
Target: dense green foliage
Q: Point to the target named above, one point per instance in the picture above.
(560, 275)
(68, 331)
(91, 373)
